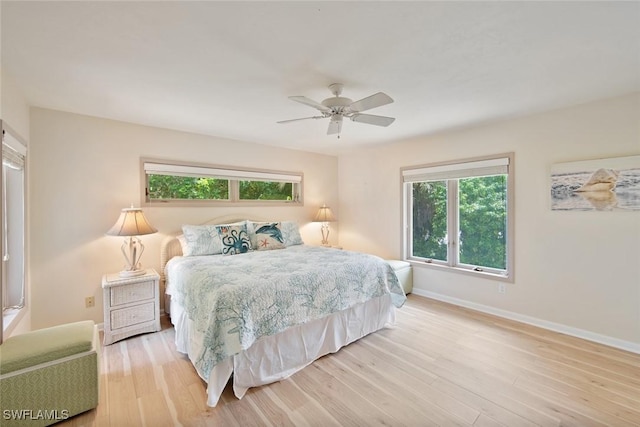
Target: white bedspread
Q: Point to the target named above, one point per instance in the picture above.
(231, 302)
(234, 300)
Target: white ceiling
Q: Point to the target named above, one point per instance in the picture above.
(226, 68)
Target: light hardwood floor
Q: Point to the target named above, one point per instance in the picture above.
(440, 365)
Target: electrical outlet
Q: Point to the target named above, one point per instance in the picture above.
(502, 288)
(89, 302)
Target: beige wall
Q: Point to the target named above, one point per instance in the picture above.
(14, 111)
(13, 106)
(85, 169)
(579, 269)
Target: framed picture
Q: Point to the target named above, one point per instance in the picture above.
(602, 185)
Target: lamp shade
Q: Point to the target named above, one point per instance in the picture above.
(131, 222)
(324, 215)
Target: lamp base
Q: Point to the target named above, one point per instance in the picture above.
(132, 249)
(132, 273)
(325, 234)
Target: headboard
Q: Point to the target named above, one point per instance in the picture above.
(171, 247)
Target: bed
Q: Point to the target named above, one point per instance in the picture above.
(250, 301)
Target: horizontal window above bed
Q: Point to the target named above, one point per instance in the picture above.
(193, 184)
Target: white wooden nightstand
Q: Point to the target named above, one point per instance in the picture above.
(131, 305)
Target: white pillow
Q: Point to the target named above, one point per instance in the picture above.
(200, 240)
(203, 239)
(291, 233)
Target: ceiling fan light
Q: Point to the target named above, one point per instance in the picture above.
(337, 101)
(335, 124)
(336, 118)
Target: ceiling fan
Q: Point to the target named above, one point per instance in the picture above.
(337, 108)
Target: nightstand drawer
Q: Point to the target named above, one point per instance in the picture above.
(132, 315)
(132, 293)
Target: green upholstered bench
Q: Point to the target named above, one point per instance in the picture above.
(49, 375)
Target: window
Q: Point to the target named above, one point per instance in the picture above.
(191, 184)
(460, 215)
(266, 190)
(13, 224)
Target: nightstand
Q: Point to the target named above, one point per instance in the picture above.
(131, 305)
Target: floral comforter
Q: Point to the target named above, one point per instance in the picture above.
(234, 300)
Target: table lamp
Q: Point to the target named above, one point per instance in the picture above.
(325, 216)
(131, 224)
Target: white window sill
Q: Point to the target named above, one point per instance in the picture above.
(469, 272)
(10, 319)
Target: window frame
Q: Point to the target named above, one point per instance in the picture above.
(233, 174)
(12, 314)
(453, 210)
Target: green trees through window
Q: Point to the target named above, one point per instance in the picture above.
(482, 220)
(187, 187)
(200, 188)
(261, 190)
(195, 184)
(459, 214)
(430, 220)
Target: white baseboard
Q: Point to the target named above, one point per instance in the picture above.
(556, 327)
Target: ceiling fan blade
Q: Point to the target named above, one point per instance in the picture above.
(335, 125)
(310, 102)
(373, 101)
(373, 120)
(303, 118)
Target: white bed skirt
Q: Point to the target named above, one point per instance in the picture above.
(274, 358)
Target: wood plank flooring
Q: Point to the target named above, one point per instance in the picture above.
(441, 365)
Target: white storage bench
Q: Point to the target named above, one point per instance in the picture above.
(404, 273)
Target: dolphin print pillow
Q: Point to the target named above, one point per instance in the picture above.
(268, 236)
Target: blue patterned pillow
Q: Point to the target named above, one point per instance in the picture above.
(289, 230)
(268, 236)
(291, 233)
(235, 239)
(200, 240)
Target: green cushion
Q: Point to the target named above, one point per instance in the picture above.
(44, 345)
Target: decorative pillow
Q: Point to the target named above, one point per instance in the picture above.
(200, 240)
(291, 233)
(234, 238)
(268, 236)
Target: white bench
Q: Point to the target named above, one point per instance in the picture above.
(404, 273)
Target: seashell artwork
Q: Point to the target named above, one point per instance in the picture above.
(603, 184)
(601, 180)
